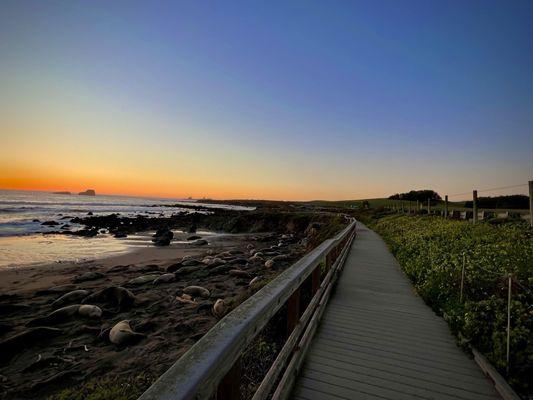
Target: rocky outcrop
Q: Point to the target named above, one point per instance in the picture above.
(88, 192)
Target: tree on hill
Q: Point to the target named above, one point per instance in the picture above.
(420, 195)
(517, 202)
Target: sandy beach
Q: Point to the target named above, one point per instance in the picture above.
(44, 355)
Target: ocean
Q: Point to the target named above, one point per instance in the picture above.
(23, 212)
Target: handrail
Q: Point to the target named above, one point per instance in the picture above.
(197, 374)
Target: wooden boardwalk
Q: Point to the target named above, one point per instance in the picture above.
(378, 340)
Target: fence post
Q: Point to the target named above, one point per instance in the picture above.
(462, 277)
(429, 206)
(474, 206)
(531, 203)
(508, 321)
(446, 207)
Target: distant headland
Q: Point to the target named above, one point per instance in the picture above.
(88, 192)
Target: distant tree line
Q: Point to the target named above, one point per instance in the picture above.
(420, 195)
(516, 201)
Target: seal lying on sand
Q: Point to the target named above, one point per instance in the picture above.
(66, 313)
(196, 291)
(219, 308)
(23, 340)
(71, 297)
(121, 334)
(117, 295)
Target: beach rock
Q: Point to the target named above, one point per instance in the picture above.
(141, 280)
(163, 237)
(165, 278)
(71, 297)
(196, 291)
(90, 213)
(194, 237)
(50, 223)
(199, 242)
(122, 335)
(21, 341)
(115, 295)
(219, 308)
(36, 220)
(88, 276)
(269, 263)
(86, 232)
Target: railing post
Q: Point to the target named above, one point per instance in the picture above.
(293, 311)
(229, 386)
(446, 207)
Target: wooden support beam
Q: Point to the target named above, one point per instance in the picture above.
(293, 311)
(229, 386)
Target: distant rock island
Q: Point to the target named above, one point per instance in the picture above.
(62, 192)
(88, 192)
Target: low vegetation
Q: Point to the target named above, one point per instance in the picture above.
(431, 252)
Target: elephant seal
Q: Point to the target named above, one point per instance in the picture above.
(117, 295)
(254, 281)
(88, 276)
(219, 308)
(90, 311)
(196, 291)
(185, 299)
(239, 273)
(66, 313)
(269, 263)
(165, 278)
(122, 335)
(71, 297)
(15, 344)
(141, 280)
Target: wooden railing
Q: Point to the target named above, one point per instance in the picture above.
(212, 367)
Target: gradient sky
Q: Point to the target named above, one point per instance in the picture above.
(279, 100)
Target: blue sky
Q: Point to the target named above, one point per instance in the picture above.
(275, 99)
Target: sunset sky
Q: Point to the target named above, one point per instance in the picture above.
(280, 100)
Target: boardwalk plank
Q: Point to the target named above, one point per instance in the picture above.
(378, 340)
